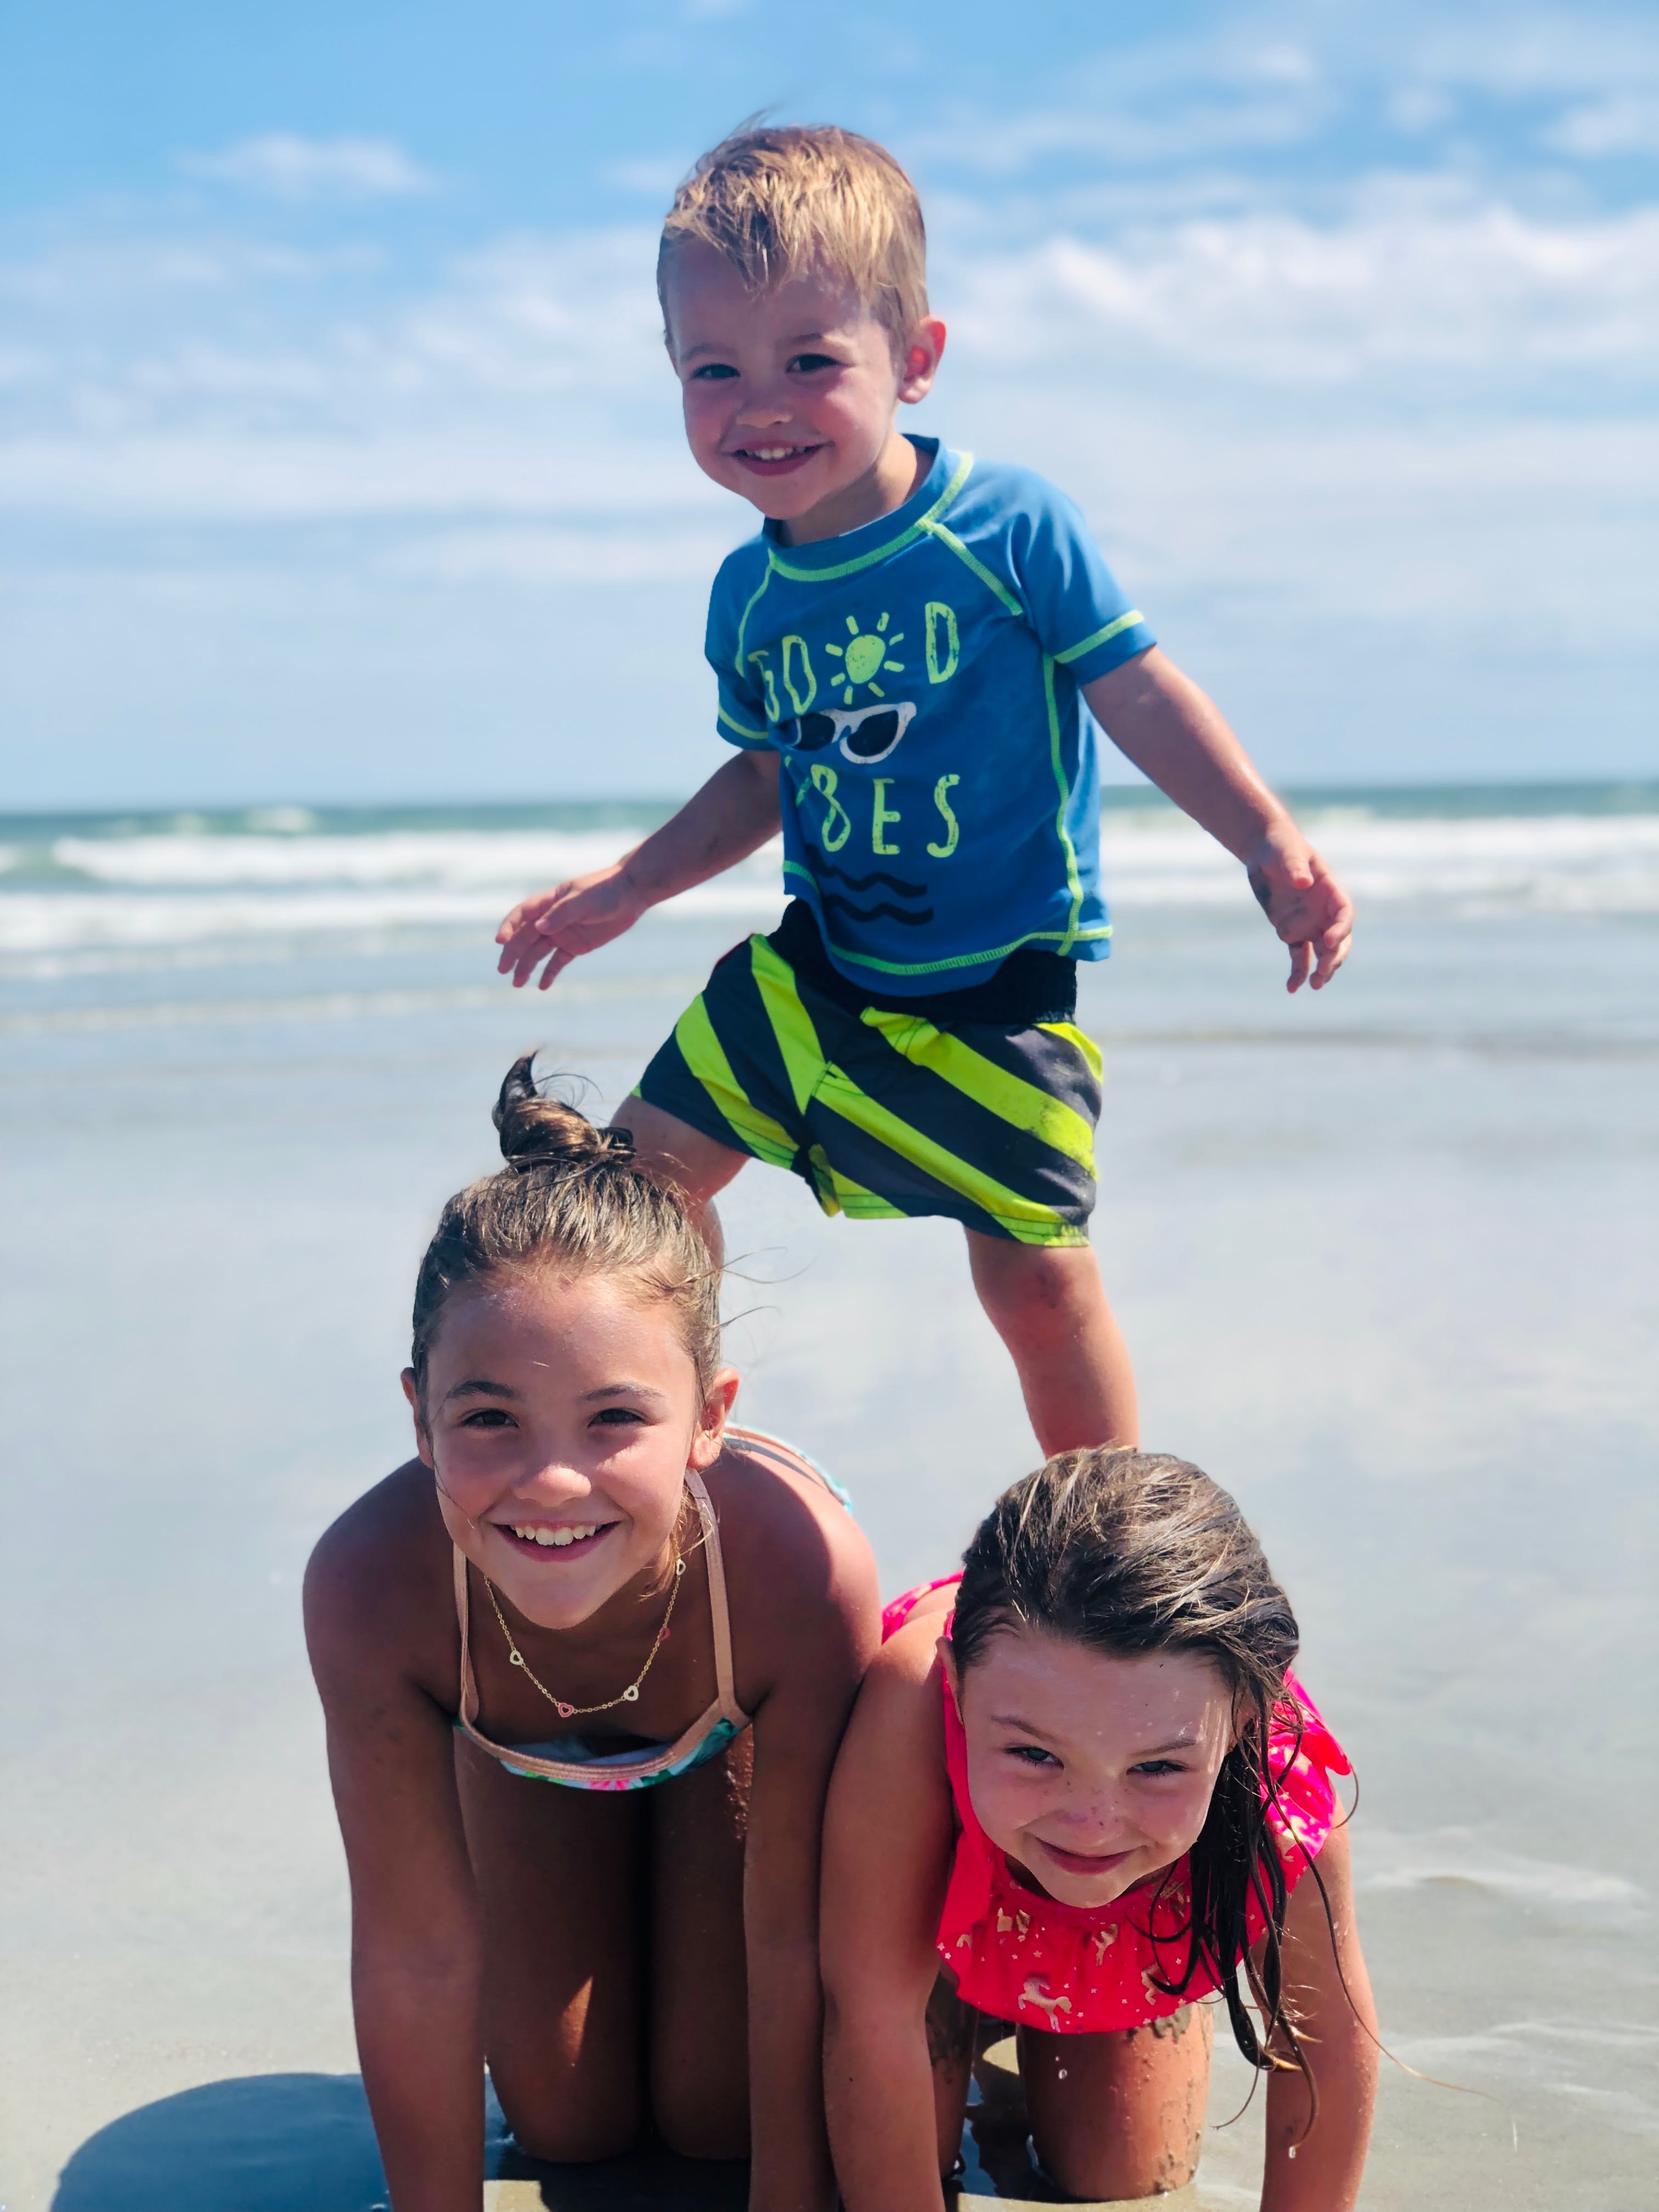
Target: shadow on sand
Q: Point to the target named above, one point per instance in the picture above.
(302, 2142)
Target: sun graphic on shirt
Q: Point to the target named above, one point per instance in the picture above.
(864, 657)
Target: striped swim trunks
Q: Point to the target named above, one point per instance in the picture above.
(882, 1114)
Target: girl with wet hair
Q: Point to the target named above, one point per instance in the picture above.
(1081, 1790)
(585, 1662)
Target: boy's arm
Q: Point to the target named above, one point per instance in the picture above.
(1176, 736)
(731, 816)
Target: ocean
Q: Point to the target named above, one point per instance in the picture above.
(1385, 1260)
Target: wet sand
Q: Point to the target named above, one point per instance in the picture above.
(1385, 1265)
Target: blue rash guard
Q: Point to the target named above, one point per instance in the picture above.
(921, 678)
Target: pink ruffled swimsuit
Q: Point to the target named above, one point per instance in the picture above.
(1078, 1970)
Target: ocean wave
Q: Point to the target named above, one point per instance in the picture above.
(151, 890)
(1459, 1858)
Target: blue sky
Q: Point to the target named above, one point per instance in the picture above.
(338, 460)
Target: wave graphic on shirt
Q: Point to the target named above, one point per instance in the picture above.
(913, 917)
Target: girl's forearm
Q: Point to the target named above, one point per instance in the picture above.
(878, 2091)
(420, 2050)
(790, 2169)
(1318, 2169)
(729, 817)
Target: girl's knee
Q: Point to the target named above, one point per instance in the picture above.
(704, 2120)
(575, 2128)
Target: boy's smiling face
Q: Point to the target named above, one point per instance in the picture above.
(791, 394)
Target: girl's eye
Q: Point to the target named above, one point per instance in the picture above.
(489, 1417)
(615, 1417)
(808, 363)
(712, 372)
(1157, 1767)
(1032, 1754)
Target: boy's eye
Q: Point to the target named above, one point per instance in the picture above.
(712, 372)
(807, 362)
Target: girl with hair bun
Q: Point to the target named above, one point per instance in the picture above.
(1080, 1790)
(587, 1579)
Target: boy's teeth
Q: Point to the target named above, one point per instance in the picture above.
(772, 453)
(560, 1537)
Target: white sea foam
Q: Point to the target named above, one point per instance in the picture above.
(149, 892)
(1461, 1857)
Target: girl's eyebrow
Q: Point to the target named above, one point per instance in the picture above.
(479, 1386)
(624, 1390)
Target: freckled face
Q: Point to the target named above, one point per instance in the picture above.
(789, 393)
(1090, 1771)
(560, 1417)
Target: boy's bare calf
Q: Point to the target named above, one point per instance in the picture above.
(1047, 1302)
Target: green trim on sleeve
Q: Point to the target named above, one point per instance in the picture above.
(756, 737)
(994, 583)
(1101, 637)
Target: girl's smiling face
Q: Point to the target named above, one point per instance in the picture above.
(560, 1415)
(1090, 1771)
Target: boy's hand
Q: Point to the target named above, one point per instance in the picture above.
(1304, 903)
(559, 925)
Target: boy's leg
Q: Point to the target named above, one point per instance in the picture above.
(1047, 1304)
(682, 1155)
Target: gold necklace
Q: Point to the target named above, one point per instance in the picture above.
(629, 1696)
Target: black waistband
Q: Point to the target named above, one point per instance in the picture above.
(1030, 986)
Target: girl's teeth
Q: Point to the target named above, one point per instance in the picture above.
(559, 1537)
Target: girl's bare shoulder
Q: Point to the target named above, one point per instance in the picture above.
(379, 1586)
(799, 1569)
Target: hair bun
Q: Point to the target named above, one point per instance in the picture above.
(539, 1131)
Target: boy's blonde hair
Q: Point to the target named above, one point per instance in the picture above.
(777, 202)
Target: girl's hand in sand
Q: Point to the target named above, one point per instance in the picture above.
(560, 925)
(1304, 903)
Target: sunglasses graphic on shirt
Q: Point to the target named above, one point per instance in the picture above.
(865, 734)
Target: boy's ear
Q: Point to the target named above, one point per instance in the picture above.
(921, 359)
(422, 1437)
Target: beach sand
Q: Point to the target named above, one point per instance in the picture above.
(1386, 1265)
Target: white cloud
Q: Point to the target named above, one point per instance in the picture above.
(1414, 280)
(281, 165)
(1626, 123)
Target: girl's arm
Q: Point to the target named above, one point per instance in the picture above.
(415, 1939)
(1337, 2028)
(828, 1640)
(887, 1846)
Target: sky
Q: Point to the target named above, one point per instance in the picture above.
(340, 461)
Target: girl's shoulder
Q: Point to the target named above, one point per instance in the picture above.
(799, 1573)
(379, 1587)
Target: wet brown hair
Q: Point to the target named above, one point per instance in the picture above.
(1131, 1552)
(776, 201)
(570, 1198)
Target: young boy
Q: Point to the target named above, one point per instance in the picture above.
(912, 657)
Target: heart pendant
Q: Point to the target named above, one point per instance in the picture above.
(564, 1712)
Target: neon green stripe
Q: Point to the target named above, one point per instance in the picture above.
(994, 583)
(1009, 1097)
(704, 1055)
(882, 552)
(1073, 881)
(1101, 636)
(792, 1025)
(742, 728)
(1016, 1214)
(1075, 1037)
(742, 620)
